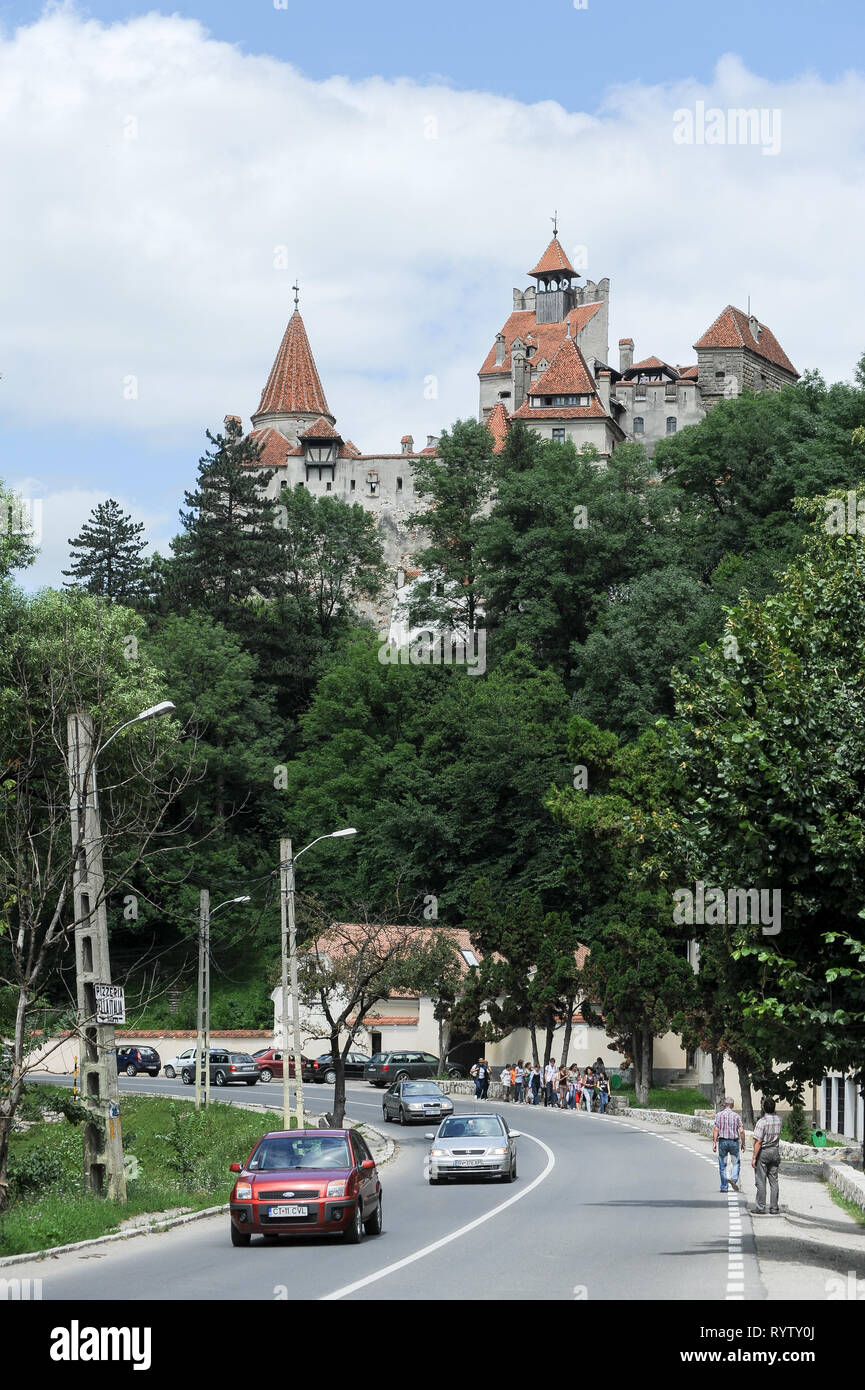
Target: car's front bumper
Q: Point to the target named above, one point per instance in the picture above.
(459, 1168)
(326, 1216)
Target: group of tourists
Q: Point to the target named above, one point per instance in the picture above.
(560, 1087)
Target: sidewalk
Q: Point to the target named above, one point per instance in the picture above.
(809, 1251)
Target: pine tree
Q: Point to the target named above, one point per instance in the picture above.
(106, 555)
(231, 547)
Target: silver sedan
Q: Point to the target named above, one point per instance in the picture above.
(468, 1146)
(415, 1100)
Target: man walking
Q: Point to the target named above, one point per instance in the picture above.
(727, 1134)
(519, 1081)
(767, 1157)
(549, 1082)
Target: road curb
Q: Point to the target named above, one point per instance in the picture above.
(155, 1225)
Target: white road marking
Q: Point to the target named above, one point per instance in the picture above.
(454, 1235)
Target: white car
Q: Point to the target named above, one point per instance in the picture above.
(183, 1059)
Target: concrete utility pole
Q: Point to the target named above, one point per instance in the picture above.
(103, 1143)
(289, 968)
(202, 1052)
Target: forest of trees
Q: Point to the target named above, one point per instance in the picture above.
(674, 692)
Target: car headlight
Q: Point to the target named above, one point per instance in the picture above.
(447, 1105)
(336, 1188)
(500, 1152)
(243, 1191)
(414, 1105)
(438, 1153)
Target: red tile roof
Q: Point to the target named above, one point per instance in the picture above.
(548, 336)
(688, 373)
(384, 1021)
(528, 412)
(275, 447)
(552, 260)
(407, 439)
(497, 424)
(293, 386)
(349, 450)
(731, 329)
(566, 375)
(653, 363)
(322, 429)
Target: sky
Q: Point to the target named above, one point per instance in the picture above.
(171, 172)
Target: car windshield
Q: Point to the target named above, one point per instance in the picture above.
(241, 1057)
(420, 1088)
(378, 1057)
(470, 1126)
(305, 1151)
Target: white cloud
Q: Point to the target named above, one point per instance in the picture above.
(161, 168)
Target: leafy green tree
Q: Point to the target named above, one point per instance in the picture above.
(456, 487)
(17, 538)
(769, 739)
(107, 554)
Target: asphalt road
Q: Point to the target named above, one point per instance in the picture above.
(600, 1210)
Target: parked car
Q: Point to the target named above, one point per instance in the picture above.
(385, 1067)
(225, 1068)
(269, 1060)
(183, 1059)
(306, 1182)
(469, 1146)
(415, 1100)
(132, 1060)
(321, 1069)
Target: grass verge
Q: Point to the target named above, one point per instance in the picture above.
(846, 1205)
(181, 1160)
(681, 1100)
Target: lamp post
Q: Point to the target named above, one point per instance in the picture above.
(289, 971)
(202, 1046)
(102, 1137)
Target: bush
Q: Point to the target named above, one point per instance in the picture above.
(795, 1128)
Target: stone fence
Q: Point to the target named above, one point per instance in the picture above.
(700, 1124)
(846, 1180)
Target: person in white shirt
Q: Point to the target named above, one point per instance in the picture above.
(550, 1074)
(505, 1079)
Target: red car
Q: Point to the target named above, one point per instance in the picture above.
(270, 1064)
(306, 1182)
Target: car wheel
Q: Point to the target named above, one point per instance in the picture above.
(373, 1225)
(186, 1077)
(330, 1077)
(385, 1114)
(170, 1073)
(511, 1173)
(219, 1078)
(403, 1076)
(131, 1071)
(402, 1118)
(354, 1234)
(266, 1074)
(456, 1073)
(239, 1237)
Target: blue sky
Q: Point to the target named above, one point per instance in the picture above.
(166, 163)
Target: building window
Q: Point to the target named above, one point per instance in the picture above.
(352, 485)
(638, 424)
(329, 486)
(504, 395)
(719, 378)
(399, 484)
(559, 434)
(671, 424)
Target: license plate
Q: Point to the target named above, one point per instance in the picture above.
(293, 1210)
(470, 1163)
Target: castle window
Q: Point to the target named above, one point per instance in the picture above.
(329, 486)
(559, 435)
(399, 484)
(671, 424)
(504, 395)
(638, 424)
(640, 391)
(719, 378)
(352, 485)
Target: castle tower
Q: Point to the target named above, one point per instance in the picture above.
(555, 275)
(293, 398)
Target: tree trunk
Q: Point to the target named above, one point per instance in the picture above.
(338, 1060)
(444, 1044)
(747, 1100)
(718, 1080)
(548, 1045)
(533, 1034)
(12, 1099)
(566, 1041)
(650, 1061)
(642, 1080)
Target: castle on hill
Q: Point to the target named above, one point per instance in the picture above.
(549, 366)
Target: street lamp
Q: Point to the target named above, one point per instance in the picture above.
(102, 1139)
(289, 969)
(202, 1042)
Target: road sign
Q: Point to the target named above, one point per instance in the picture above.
(110, 1004)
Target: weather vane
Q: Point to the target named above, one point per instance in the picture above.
(555, 221)
(296, 288)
